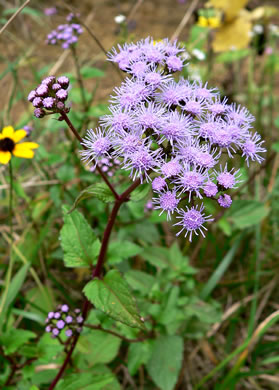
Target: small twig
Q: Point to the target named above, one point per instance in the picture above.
(134, 9)
(185, 20)
(14, 16)
(79, 78)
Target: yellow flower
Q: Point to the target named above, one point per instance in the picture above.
(9, 145)
(202, 21)
(214, 22)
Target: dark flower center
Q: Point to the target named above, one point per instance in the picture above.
(7, 145)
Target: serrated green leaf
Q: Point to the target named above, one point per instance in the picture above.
(138, 354)
(122, 250)
(99, 191)
(247, 213)
(165, 362)
(99, 378)
(140, 281)
(112, 295)
(89, 72)
(15, 338)
(100, 347)
(79, 242)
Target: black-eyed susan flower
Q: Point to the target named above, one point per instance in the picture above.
(9, 145)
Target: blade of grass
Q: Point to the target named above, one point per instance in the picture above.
(221, 269)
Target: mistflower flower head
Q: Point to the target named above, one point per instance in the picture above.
(218, 107)
(174, 63)
(149, 115)
(171, 168)
(148, 206)
(37, 102)
(168, 94)
(166, 201)
(62, 95)
(210, 189)
(60, 324)
(63, 81)
(57, 315)
(55, 332)
(194, 107)
(158, 184)
(127, 143)
(227, 179)
(65, 308)
(239, 115)
(97, 143)
(69, 332)
(49, 80)
(202, 92)
(120, 119)
(39, 113)
(48, 102)
(192, 220)
(138, 69)
(130, 94)
(207, 159)
(191, 180)
(141, 162)
(174, 127)
(42, 90)
(10, 145)
(155, 77)
(56, 87)
(225, 201)
(252, 147)
(31, 96)
(69, 319)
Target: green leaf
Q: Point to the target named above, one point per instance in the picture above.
(99, 191)
(140, 192)
(89, 72)
(122, 250)
(100, 347)
(99, 378)
(112, 295)
(140, 281)
(247, 213)
(165, 362)
(14, 339)
(138, 354)
(13, 290)
(78, 240)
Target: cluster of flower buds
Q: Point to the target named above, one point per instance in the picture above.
(65, 34)
(173, 133)
(64, 318)
(107, 165)
(50, 96)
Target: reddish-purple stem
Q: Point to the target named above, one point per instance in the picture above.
(119, 200)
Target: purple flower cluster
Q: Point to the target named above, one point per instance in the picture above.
(50, 95)
(64, 318)
(173, 133)
(65, 34)
(107, 165)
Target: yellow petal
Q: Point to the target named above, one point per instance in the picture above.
(23, 152)
(5, 157)
(8, 131)
(230, 8)
(233, 35)
(18, 135)
(27, 145)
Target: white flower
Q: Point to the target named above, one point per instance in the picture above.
(119, 19)
(198, 54)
